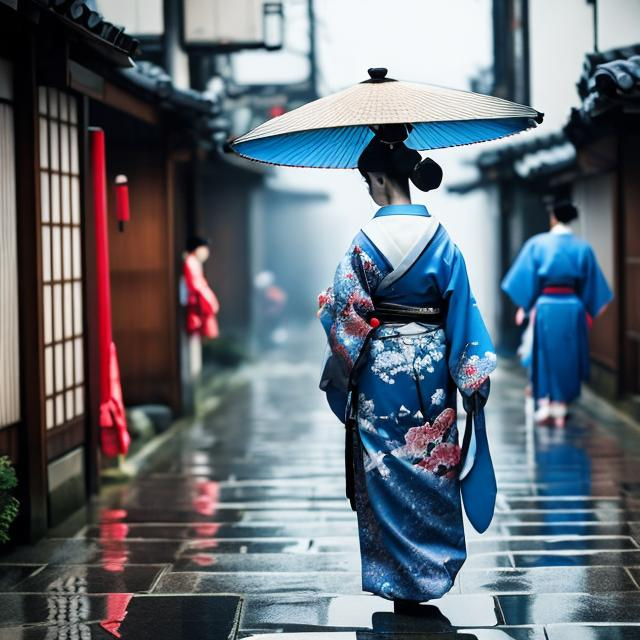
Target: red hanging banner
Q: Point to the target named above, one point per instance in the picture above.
(114, 436)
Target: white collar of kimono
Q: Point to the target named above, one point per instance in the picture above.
(400, 236)
(561, 229)
(402, 210)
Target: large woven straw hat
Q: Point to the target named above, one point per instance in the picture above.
(332, 132)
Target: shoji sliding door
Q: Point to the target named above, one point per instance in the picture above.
(62, 277)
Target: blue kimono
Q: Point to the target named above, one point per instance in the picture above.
(401, 381)
(557, 280)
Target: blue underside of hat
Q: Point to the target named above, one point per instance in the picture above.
(340, 147)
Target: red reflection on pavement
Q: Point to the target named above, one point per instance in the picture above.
(207, 530)
(117, 604)
(113, 536)
(201, 545)
(206, 502)
(110, 515)
(204, 559)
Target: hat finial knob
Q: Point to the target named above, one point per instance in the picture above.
(377, 73)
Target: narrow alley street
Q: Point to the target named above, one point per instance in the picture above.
(179, 179)
(244, 529)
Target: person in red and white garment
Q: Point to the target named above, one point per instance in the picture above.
(202, 304)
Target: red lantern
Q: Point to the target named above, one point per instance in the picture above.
(122, 201)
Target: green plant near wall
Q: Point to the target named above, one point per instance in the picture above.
(8, 504)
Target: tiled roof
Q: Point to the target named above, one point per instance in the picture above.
(510, 153)
(79, 14)
(533, 158)
(610, 82)
(153, 79)
(613, 70)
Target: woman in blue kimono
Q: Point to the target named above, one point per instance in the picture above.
(557, 282)
(405, 334)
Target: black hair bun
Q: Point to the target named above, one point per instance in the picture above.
(565, 212)
(398, 161)
(394, 159)
(426, 175)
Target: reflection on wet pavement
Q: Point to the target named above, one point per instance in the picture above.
(249, 513)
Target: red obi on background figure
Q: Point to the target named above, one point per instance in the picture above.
(202, 303)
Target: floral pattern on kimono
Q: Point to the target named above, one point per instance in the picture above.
(344, 306)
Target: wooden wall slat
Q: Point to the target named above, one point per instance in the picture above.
(9, 326)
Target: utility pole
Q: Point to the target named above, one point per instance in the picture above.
(175, 60)
(511, 50)
(313, 64)
(594, 4)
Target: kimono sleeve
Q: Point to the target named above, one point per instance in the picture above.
(343, 313)
(521, 283)
(594, 290)
(471, 352)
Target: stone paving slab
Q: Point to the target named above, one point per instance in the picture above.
(634, 572)
(365, 612)
(237, 516)
(584, 607)
(304, 563)
(553, 543)
(592, 632)
(311, 584)
(85, 617)
(30, 609)
(547, 580)
(274, 562)
(13, 574)
(573, 529)
(84, 630)
(415, 634)
(205, 530)
(114, 577)
(578, 557)
(79, 551)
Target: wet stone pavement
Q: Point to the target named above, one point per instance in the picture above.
(244, 530)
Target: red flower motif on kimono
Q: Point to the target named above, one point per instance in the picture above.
(324, 298)
(443, 460)
(419, 438)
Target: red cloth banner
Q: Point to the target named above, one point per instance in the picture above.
(114, 436)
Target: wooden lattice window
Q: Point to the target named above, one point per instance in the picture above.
(61, 218)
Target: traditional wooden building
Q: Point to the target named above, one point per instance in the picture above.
(64, 69)
(605, 130)
(47, 337)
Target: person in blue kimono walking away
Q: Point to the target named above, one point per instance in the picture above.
(557, 283)
(404, 335)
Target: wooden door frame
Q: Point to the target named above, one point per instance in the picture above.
(33, 441)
